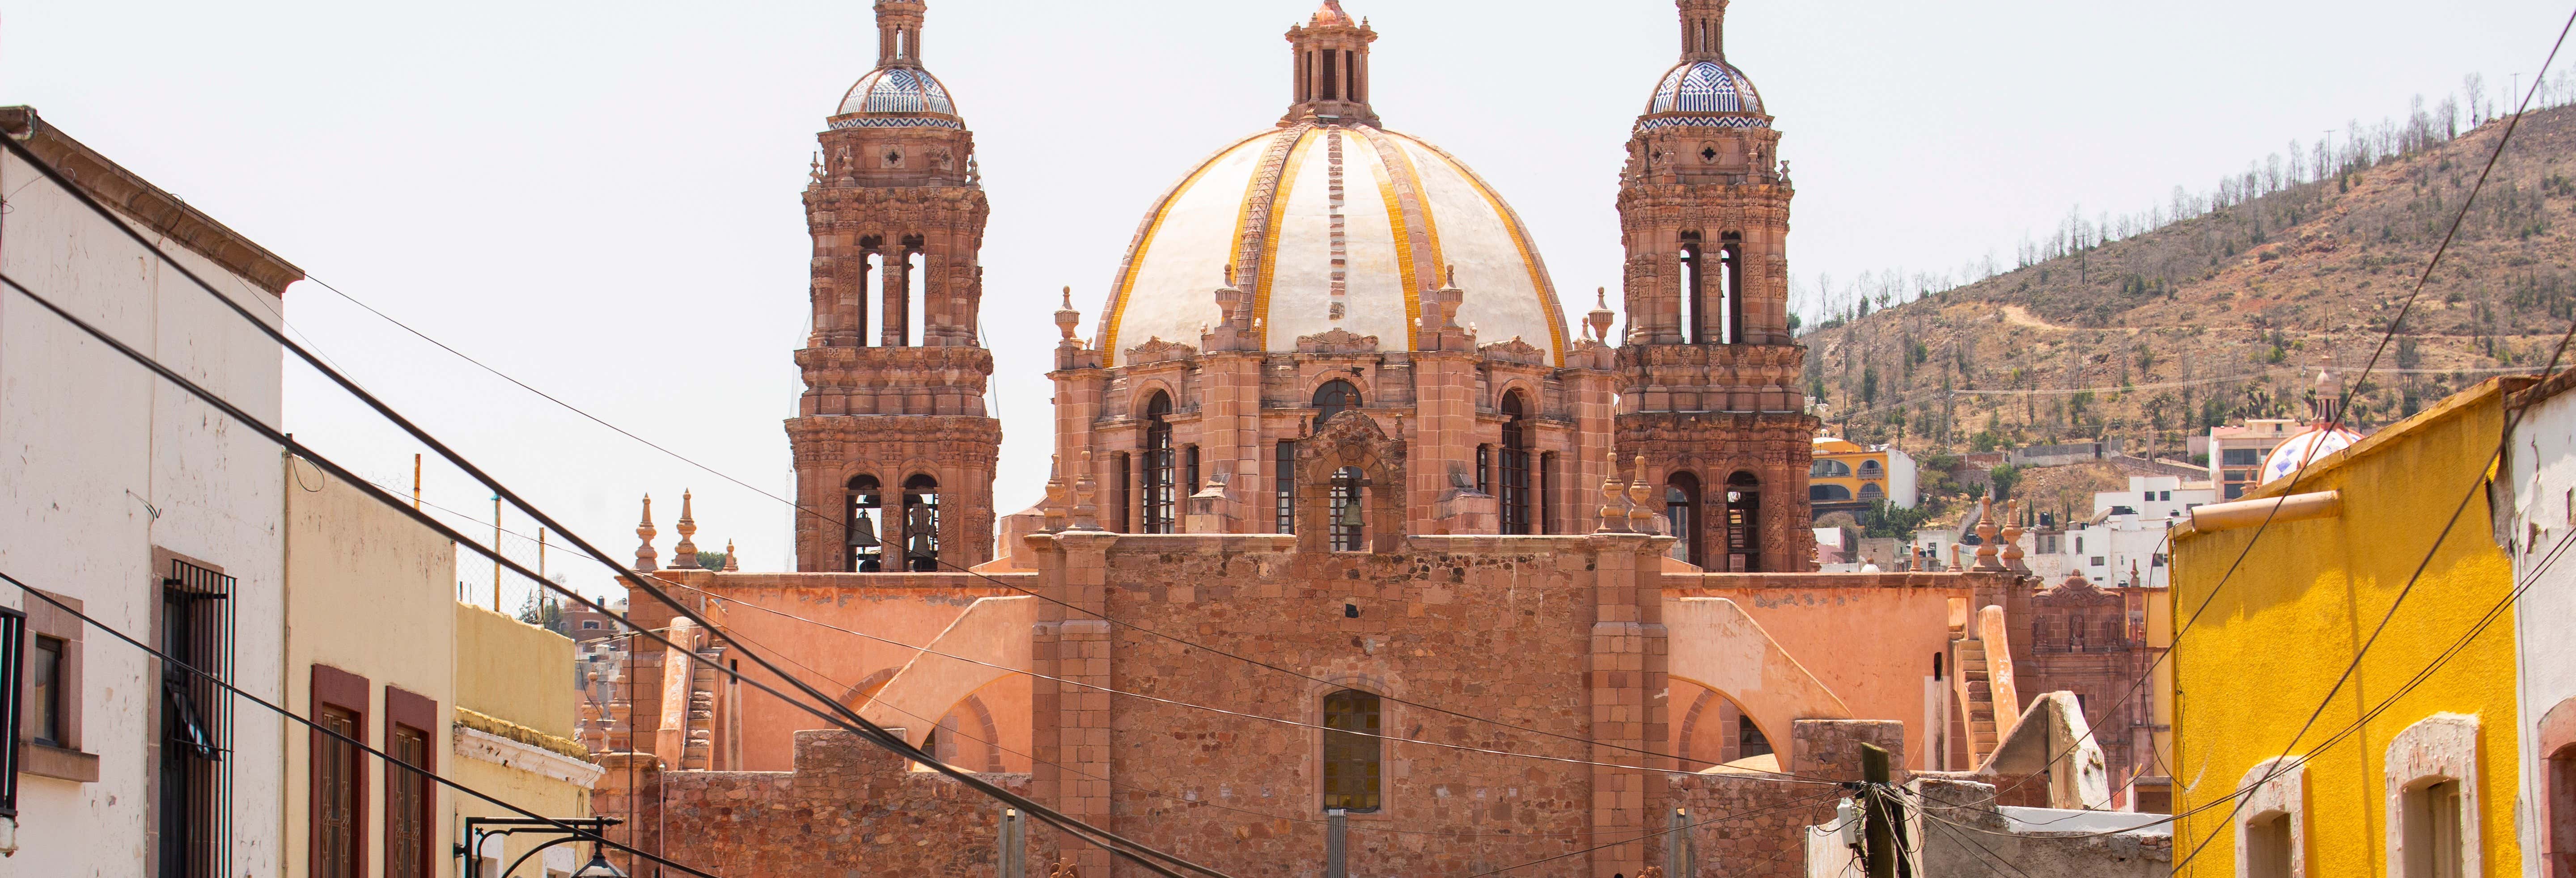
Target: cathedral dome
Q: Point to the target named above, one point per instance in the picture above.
(897, 96)
(1708, 86)
(1331, 226)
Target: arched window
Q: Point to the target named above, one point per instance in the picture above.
(861, 517)
(1517, 431)
(1870, 469)
(1694, 303)
(1352, 751)
(921, 523)
(1681, 498)
(1730, 260)
(1349, 510)
(1828, 492)
(1829, 469)
(1161, 478)
(1335, 397)
(1871, 491)
(1743, 522)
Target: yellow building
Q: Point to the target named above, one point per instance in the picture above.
(1848, 476)
(378, 648)
(2390, 780)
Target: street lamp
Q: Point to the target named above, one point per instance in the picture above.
(479, 829)
(598, 867)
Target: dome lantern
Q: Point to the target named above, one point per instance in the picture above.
(1330, 66)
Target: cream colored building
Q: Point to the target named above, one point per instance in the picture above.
(378, 646)
(144, 509)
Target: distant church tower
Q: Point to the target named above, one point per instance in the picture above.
(892, 436)
(1709, 373)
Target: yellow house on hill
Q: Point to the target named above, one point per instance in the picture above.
(2289, 757)
(1849, 476)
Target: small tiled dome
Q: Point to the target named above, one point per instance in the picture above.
(1705, 87)
(2298, 452)
(899, 92)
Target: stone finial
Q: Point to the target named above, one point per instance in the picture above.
(2011, 548)
(1986, 531)
(684, 556)
(1641, 495)
(1600, 317)
(1067, 319)
(644, 554)
(1065, 870)
(1056, 494)
(731, 566)
(1614, 519)
(1086, 512)
(1451, 278)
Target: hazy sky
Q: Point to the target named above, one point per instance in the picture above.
(603, 199)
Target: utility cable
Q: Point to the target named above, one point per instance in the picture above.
(2343, 406)
(960, 568)
(577, 832)
(1114, 843)
(841, 717)
(923, 650)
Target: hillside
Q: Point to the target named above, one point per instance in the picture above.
(2229, 314)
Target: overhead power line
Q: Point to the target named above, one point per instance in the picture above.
(839, 714)
(390, 762)
(2344, 405)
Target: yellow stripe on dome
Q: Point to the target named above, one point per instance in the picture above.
(1145, 241)
(1403, 231)
(1520, 239)
(1270, 229)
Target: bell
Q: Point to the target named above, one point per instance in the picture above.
(863, 531)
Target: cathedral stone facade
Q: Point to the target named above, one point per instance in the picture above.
(1347, 526)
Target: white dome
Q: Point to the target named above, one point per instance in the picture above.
(2301, 451)
(1302, 209)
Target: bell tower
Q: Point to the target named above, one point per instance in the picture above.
(1709, 370)
(894, 450)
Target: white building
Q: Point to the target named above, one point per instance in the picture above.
(2124, 538)
(2535, 520)
(147, 510)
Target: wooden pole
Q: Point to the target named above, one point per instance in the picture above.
(415, 482)
(496, 546)
(1878, 839)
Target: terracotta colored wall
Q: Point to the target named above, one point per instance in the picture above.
(906, 608)
(1817, 617)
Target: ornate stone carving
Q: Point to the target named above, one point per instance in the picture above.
(1337, 341)
(1156, 350)
(1515, 351)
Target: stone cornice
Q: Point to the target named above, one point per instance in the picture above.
(147, 205)
(484, 746)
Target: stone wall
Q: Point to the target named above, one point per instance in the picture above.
(1753, 826)
(1526, 631)
(848, 809)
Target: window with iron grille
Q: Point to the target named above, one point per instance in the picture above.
(1161, 476)
(195, 780)
(338, 771)
(1352, 750)
(1515, 499)
(409, 826)
(1284, 486)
